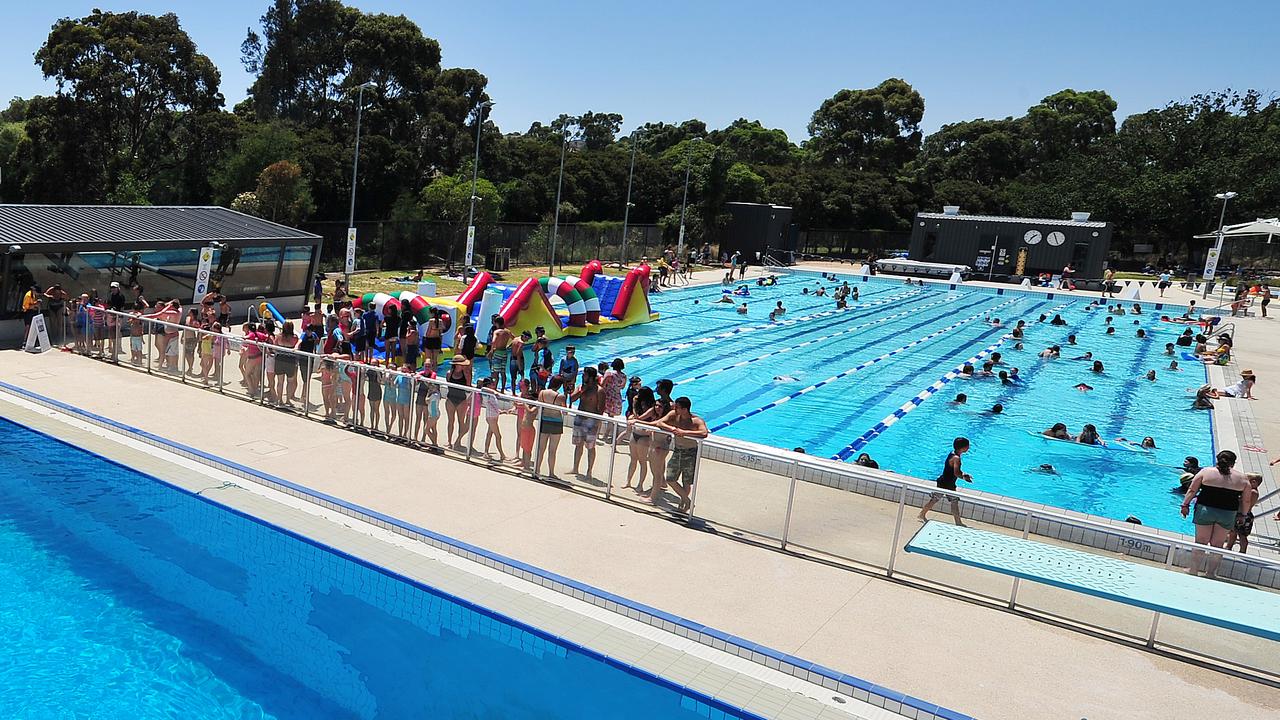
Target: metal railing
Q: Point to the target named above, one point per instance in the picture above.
(805, 505)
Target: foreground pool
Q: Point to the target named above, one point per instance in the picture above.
(122, 597)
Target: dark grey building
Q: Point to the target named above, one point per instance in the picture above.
(757, 228)
(1011, 246)
(84, 248)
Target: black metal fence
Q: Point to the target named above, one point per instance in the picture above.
(852, 243)
(396, 244)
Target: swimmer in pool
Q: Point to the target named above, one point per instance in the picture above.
(961, 399)
(1142, 334)
(1087, 356)
(995, 410)
(1045, 468)
(1084, 387)
(1004, 378)
(1111, 331)
(1168, 348)
(725, 299)
(1151, 375)
(1173, 366)
(1089, 436)
(997, 358)
(966, 370)
(1014, 376)
(785, 378)
(1071, 339)
(1058, 432)
(1052, 352)
(742, 309)
(1097, 367)
(1017, 345)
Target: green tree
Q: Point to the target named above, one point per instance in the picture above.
(1069, 121)
(876, 129)
(282, 193)
(448, 198)
(258, 145)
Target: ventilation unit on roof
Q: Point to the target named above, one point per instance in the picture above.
(950, 209)
(1079, 217)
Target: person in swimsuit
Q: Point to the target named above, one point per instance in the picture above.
(569, 369)
(686, 429)
(459, 379)
(428, 401)
(586, 430)
(515, 365)
(643, 408)
(409, 342)
(499, 353)
(660, 443)
(550, 427)
(1266, 300)
(397, 406)
(491, 406)
(467, 342)
(1221, 496)
(1244, 521)
(433, 339)
(951, 471)
(286, 389)
(1058, 432)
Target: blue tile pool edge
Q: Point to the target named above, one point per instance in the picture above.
(848, 685)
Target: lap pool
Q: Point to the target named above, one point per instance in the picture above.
(122, 597)
(835, 382)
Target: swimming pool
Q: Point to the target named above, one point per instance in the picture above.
(121, 596)
(833, 382)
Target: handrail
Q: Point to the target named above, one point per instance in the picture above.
(901, 482)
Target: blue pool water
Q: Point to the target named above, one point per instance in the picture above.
(121, 597)
(822, 379)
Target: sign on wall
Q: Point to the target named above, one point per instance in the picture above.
(201, 287)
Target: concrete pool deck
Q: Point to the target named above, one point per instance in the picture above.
(961, 654)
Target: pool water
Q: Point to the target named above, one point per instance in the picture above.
(824, 379)
(121, 597)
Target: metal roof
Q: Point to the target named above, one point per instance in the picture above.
(133, 224)
(1001, 218)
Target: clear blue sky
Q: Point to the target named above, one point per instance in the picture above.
(671, 60)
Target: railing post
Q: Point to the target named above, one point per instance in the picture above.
(897, 529)
(791, 496)
(115, 354)
(534, 456)
(613, 454)
(697, 460)
(1013, 593)
(305, 366)
(148, 339)
(262, 374)
(1155, 616)
(471, 400)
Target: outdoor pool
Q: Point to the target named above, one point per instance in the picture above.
(833, 382)
(122, 597)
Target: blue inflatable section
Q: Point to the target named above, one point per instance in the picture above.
(606, 289)
(506, 294)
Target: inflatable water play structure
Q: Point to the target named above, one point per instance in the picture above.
(561, 306)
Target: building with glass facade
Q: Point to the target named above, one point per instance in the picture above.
(84, 248)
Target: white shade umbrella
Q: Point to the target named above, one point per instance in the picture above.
(1268, 227)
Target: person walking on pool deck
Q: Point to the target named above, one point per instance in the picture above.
(687, 429)
(951, 471)
(1221, 496)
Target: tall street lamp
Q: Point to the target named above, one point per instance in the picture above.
(1211, 260)
(688, 165)
(626, 212)
(555, 225)
(355, 169)
(475, 178)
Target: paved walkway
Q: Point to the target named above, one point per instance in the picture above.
(965, 655)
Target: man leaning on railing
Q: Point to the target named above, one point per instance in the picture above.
(687, 429)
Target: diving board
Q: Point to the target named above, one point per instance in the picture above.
(1171, 592)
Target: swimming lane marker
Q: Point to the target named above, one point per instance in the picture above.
(856, 368)
(816, 340)
(920, 397)
(778, 323)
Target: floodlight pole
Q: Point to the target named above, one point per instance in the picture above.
(355, 167)
(475, 179)
(1211, 262)
(555, 225)
(626, 212)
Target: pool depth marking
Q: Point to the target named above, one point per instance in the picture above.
(871, 434)
(856, 368)
(777, 323)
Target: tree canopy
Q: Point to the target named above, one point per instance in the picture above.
(137, 116)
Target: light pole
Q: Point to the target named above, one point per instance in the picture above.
(355, 169)
(475, 178)
(626, 212)
(555, 225)
(1211, 260)
(688, 165)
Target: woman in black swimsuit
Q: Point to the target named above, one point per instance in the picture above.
(951, 471)
(459, 378)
